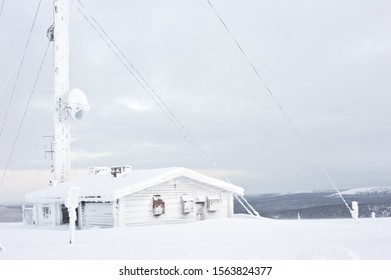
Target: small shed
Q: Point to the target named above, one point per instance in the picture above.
(119, 196)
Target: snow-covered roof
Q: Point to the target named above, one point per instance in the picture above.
(105, 187)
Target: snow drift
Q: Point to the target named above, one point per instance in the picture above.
(238, 238)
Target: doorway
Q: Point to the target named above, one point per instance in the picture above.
(200, 210)
(65, 215)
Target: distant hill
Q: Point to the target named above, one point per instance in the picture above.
(310, 205)
(10, 214)
(366, 191)
(320, 204)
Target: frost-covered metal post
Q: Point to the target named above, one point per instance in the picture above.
(62, 146)
(72, 202)
(354, 211)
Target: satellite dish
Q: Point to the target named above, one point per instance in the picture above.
(78, 104)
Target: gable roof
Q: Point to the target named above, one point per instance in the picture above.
(105, 187)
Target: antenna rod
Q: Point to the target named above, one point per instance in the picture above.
(62, 163)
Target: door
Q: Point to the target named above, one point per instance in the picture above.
(45, 213)
(200, 210)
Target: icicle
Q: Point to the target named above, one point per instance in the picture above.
(72, 202)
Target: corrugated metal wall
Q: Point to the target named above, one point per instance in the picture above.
(97, 214)
(136, 209)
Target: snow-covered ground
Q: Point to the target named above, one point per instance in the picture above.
(238, 238)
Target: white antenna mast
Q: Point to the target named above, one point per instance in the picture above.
(62, 143)
(73, 103)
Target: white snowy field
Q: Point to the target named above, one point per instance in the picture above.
(238, 238)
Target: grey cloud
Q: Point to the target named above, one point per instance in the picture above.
(327, 63)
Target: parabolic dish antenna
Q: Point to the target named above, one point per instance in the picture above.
(78, 104)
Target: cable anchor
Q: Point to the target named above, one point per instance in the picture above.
(50, 33)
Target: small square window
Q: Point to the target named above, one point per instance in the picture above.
(46, 210)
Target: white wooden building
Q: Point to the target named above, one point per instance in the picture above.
(117, 197)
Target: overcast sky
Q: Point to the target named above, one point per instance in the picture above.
(328, 63)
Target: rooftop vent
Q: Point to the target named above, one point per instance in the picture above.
(119, 171)
(99, 170)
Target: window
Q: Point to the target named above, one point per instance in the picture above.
(46, 212)
(187, 204)
(158, 205)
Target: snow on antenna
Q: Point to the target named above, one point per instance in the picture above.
(59, 33)
(62, 147)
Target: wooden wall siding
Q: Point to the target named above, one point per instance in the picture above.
(96, 214)
(136, 209)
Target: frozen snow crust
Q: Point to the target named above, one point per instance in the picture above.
(241, 237)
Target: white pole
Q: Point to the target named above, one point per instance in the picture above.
(62, 163)
(354, 211)
(72, 202)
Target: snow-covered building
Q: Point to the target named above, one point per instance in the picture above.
(118, 196)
